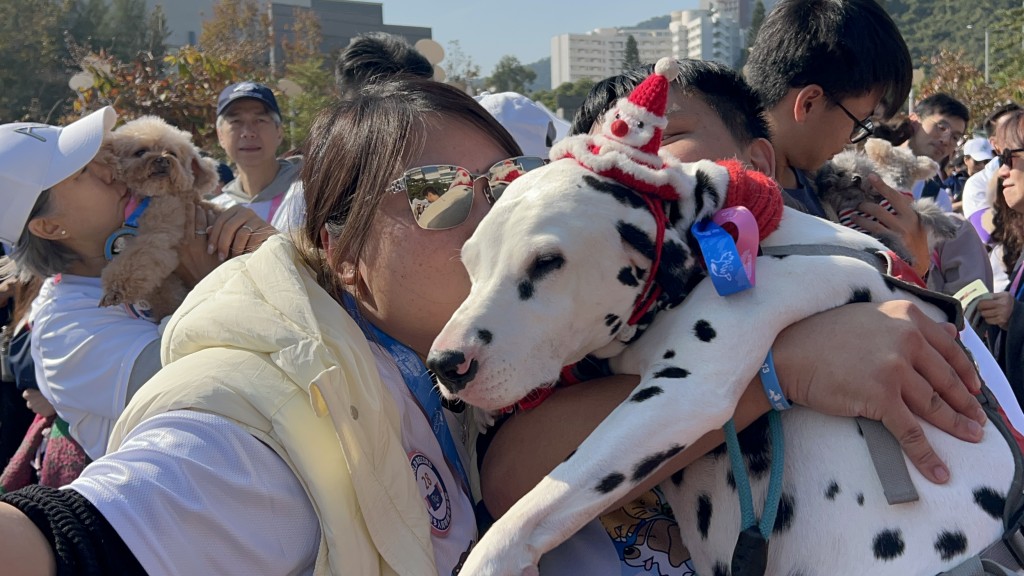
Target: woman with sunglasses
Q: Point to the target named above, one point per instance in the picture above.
(294, 428)
(1003, 311)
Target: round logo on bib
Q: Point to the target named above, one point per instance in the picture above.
(432, 488)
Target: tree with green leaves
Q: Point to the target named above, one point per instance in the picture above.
(122, 26)
(632, 56)
(239, 32)
(510, 76)
(305, 68)
(33, 78)
(567, 96)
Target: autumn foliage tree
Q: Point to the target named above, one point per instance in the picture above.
(951, 72)
(239, 32)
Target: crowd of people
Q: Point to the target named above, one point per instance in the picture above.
(282, 421)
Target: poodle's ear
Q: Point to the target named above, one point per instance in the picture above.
(877, 149)
(205, 172)
(925, 167)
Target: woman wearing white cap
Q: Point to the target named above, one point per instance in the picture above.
(60, 207)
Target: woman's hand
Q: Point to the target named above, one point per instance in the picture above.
(237, 230)
(38, 403)
(997, 310)
(194, 260)
(905, 224)
(887, 362)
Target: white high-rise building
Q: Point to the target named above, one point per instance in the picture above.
(706, 35)
(700, 34)
(600, 53)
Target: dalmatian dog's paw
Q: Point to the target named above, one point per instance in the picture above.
(496, 555)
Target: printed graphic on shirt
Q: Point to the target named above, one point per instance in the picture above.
(434, 492)
(646, 538)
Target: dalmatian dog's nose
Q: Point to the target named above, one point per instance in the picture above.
(452, 369)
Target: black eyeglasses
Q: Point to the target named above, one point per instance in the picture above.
(1006, 157)
(861, 128)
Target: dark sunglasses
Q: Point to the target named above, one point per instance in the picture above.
(441, 195)
(861, 128)
(1006, 157)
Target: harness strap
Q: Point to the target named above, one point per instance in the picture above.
(885, 451)
(890, 466)
(1002, 558)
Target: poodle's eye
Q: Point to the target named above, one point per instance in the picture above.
(140, 153)
(172, 154)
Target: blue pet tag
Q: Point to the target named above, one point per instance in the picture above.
(116, 242)
(721, 257)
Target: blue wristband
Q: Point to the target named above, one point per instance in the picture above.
(770, 383)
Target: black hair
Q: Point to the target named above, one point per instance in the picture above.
(376, 54)
(942, 104)
(848, 47)
(895, 130)
(999, 112)
(718, 86)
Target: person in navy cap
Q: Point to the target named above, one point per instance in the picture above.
(250, 132)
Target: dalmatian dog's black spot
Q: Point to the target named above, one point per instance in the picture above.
(672, 372)
(888, 544)
(622, 194)
(704, 193)
(651, 463)
(646, 394)
(730, 479)
(485, 336)
(669, 354)
(610, 319)
(610, 482)
(832, 491)
(720, 569)
(627, 277)
(525, 290)
(785, 514)
(615, 329)
(636, 238)
(860, 295)
(677, 477)
(949, 545)
(674, 273)
(860, 499)
(990, 501)
(704, 514)
(704, 331)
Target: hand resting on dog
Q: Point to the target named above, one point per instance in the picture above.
(916, 368)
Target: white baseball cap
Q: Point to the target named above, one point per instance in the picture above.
(532, 125)
(35, 157)
(979, 148)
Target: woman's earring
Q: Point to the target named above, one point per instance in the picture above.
(63, 232)
(349, 276)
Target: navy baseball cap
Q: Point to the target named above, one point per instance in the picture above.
(252, 90)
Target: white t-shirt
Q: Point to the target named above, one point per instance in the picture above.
(84, 355)
(976, 188)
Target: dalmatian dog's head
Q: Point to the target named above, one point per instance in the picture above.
(556, 268)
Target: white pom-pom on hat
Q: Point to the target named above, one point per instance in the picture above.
(668, 68)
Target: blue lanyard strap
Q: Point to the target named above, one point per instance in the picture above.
(417, 379)
(133, 219)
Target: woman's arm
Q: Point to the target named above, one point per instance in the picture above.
(23, 548)
(916, 367)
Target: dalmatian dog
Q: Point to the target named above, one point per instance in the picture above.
(557, 267)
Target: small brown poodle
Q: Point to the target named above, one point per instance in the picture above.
(843, 184)
(159, 162)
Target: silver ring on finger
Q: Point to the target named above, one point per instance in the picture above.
(249, 228)
(200, 232)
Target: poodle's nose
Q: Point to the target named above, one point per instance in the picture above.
(161, 162)
(452, 369)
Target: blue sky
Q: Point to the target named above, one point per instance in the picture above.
(487, 29)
